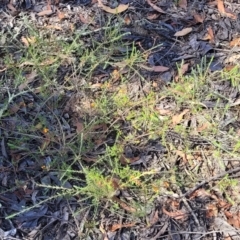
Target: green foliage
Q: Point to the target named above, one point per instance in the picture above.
(111, 103)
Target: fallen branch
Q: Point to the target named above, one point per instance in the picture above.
(189, 192)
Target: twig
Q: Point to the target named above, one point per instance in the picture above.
(189, 208)
(189, 192)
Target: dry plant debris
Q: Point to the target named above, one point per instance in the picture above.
(119, 119)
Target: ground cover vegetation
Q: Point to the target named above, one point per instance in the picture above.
(119, 120)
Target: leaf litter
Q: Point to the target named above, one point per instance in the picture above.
(51, 123)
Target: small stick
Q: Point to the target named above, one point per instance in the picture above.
(189, 192)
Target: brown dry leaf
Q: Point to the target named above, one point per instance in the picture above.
(115, 183)
(83, 18)
(220, 6)
(45, 13)
(61, 15)
(119, 9)
(212, 3)
(198, 17)
(178, 214)
(79, 125)
(211, 210)
(210, 35)
(29, 78)
(154, 219)
(183, 32)
(116, 75)
(153, 16)
(127, 20)
(184, 68)
(228, 214)
(174, 204)
(223, 204)
(13, 10)
(158, 9)
(228, 68)
(159, 69)
(200, 193)
(124, 205)
(27, 41)
(104, 233)
(234, 220)
(235, 42)
(49, 5)
(176, 119)
(203, 127)
(117, 226)
(184, 156)
(123, 160)
(221, 9)
(182, 4)
(154, 84)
